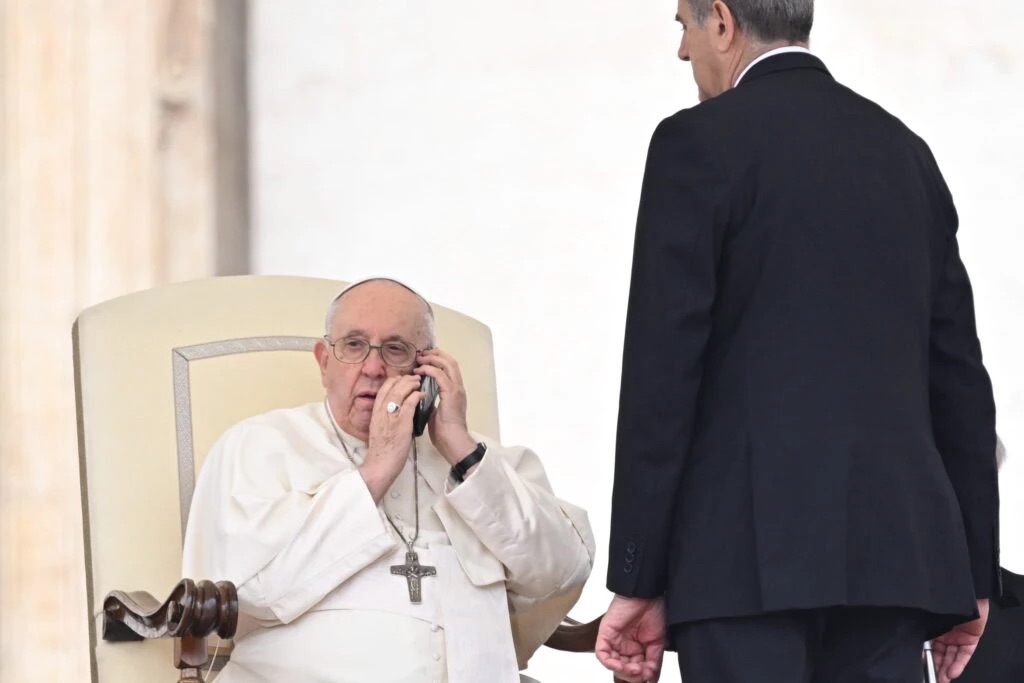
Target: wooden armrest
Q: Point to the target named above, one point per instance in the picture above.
(572, 636)
(193, 609)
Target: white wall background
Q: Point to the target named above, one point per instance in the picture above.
(491, 155)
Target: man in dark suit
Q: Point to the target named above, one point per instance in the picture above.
(804, 482)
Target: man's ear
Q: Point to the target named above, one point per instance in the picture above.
(323, 355)
(722, 26)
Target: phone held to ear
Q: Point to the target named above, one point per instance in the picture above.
(425, 407)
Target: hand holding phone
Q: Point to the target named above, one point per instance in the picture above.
(449, 432)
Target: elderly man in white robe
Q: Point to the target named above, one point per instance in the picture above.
(364, 554)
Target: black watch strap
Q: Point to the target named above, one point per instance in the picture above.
(461, 467)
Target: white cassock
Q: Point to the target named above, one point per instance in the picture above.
(280, 511)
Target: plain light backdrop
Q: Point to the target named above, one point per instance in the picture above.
(490, 154)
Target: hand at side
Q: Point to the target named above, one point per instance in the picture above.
(631, 640)
(953, 650)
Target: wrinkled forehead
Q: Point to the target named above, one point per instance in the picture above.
(382, 309)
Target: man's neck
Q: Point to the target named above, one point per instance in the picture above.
(752, 52)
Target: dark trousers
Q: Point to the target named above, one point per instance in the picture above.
(830, 645)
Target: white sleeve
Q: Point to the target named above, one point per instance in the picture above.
(342, 534)
(284, 544)
(545, 544)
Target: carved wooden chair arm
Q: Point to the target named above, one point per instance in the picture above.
(573, 636)
(193, 609)
(192, 612)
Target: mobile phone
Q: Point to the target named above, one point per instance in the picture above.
(425, 407)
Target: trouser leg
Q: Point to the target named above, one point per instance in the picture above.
(771, 648)
(871, 645)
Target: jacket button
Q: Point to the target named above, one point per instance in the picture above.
(628, 568)
(631, 547)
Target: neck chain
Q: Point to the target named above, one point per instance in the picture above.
(415, 481)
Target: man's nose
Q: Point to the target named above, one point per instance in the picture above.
(684, 51)
(374, 365)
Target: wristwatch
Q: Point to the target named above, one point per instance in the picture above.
(461, 467)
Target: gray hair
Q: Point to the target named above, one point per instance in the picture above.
(332, 308)
(765, 21)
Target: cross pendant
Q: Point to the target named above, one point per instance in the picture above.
(413, 571)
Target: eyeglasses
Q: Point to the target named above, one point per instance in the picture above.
(396, 353)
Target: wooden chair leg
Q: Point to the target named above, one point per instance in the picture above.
(189, 657)
(191, 675)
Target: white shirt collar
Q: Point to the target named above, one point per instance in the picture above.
(770, 53)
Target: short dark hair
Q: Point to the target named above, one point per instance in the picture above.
(765, 20)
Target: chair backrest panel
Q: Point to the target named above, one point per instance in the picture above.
(160, 375)
(205, 373)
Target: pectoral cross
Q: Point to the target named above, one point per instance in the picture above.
(413, 571)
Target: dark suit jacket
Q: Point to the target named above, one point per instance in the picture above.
(804, 419)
